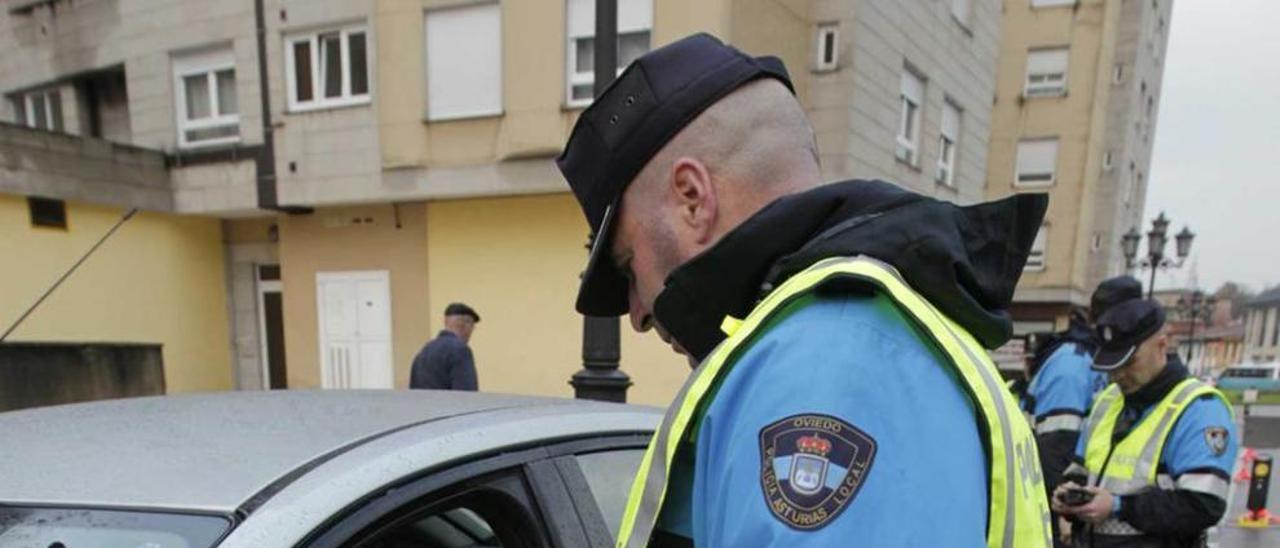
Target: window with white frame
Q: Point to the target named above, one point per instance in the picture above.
(1039, 248)
(1036, 163)
(39, 109)
(635, 20)
(464, 62)
(1051, 3)
(826, 58)
(1046, 72)
(948, 137)
(327, 69)
(960, 10)
(205, 98)
(910, 99)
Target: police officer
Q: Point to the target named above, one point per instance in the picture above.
(1063, 385)
(1155, 453)
(842, 391)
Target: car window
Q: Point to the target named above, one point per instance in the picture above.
(459, 527)
(76, 527)
(481, 512)
(609, 475)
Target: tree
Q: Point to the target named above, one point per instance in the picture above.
(1237, 294)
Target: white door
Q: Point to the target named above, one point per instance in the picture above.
(355, 329)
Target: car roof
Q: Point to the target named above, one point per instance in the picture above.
(213, 452)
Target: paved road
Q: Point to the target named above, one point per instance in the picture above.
(1261, 432)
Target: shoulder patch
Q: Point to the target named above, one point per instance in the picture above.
(1216, 437)
(811, 467)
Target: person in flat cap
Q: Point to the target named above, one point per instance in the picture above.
(842, 386)
(446, 362)
(1152, 467)
(1063, 383)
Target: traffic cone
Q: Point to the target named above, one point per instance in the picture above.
(1246, 465)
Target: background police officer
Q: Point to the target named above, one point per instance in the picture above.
(1157, 448)
(1063, 383)
(837, 358)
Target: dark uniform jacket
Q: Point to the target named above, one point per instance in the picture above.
(1181, 516)
(445, 363)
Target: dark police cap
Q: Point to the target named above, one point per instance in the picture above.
(459, 309)
(1123, 328)
(1114, 291)
(653, 99)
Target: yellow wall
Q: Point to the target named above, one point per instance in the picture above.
(517, 260)
(326, 241)
(160, 280)
(535, 121)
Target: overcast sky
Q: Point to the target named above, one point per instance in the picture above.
(1216, 164)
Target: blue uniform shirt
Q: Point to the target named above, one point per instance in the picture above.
(857, 360)
(1065, 384)
(1190, 447)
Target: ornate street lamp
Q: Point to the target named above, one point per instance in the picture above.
(1155, 260)
(1183, 240)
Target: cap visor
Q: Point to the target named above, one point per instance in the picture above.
(603, 291)
(1107, 360)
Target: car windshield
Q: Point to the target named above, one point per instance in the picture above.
(81, 527)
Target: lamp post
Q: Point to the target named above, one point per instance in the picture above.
(1195, 306)
(1155, 259)
(601, 377)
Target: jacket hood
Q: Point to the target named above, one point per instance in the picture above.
(966, 260)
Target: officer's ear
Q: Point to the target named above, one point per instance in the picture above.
(695, 198)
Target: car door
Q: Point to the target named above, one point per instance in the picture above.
(551, 496)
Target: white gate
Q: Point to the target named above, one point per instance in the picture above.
(354, 311)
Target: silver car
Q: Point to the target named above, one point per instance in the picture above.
(319, 469)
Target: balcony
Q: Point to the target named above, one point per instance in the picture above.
(36, 162)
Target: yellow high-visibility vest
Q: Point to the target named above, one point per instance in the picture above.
(1131, 465)
(1018, 512)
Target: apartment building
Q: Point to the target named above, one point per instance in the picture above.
(369, 162)
(1075, 109)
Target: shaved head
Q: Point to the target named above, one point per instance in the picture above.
(748, 149)
(757, 138)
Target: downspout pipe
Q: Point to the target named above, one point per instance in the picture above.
(266, 158)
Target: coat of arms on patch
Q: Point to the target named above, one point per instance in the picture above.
(812, 467)
(1216, 437)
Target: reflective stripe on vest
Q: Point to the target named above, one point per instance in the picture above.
(1132, 464)
(1018, 513)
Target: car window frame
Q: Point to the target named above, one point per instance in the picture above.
(505, 492)
(557, 505)
(562, 486)
(584, 496)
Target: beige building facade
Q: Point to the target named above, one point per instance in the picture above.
(1075, 109)
(1262, 327)
(407, 160)
(90, 128)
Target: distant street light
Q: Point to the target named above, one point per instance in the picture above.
(1156, 239)
(1196, 306)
